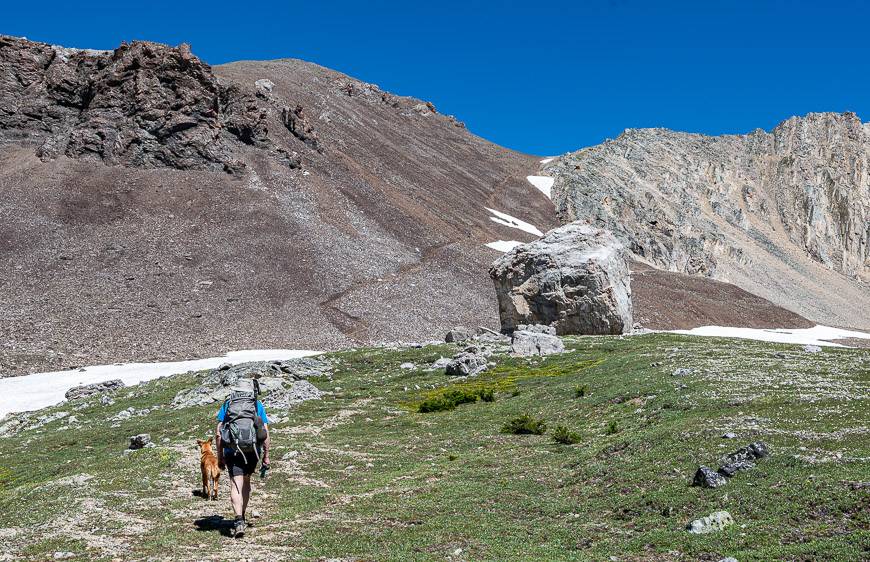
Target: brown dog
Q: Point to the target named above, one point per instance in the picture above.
(208, 463)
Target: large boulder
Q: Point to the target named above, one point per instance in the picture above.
(575, 279)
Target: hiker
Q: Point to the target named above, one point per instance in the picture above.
(242, 439)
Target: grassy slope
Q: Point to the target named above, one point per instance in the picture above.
(362, 476)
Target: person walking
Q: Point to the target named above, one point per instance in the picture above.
(242, 440)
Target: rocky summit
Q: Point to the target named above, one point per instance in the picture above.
(783, 214)
(143, 104)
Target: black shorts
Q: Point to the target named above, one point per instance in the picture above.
(236, 465)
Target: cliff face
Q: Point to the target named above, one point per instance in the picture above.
(784, 214)
(142, 105)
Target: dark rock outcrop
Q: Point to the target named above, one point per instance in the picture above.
(142, 105)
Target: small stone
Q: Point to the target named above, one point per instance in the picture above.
(729, 559)
(440, 363)
(729, 435)
(264, 86)
(682, 372)
(711, 523)
(407, 366)
(139, 441)
(812, 348)
(780, 355)
(458, 334)
(465, 364)
(708, 478)
(256, 514)
(536, 340)
(732, 468)
(63, 555)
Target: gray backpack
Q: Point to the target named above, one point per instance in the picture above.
(239, 430)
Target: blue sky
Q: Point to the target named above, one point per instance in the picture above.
(540, 77)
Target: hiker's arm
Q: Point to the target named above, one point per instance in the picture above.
(219, 446)
(266, 444)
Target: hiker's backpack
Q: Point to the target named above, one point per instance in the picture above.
(239, 429)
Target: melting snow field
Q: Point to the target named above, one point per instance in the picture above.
(503, 245)
(32, 392)
(507, 220)
(817, 335)
(548, 159)
(543, 183)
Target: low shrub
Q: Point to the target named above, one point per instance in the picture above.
(581, 390)
(525, 424)
(563, 435)
(612, 427)
(452, 397)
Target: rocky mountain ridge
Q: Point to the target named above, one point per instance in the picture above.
(784, 214)
(143, 105)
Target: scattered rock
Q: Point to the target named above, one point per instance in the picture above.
(264, 86)
(711, 523)
(88, 390)
(466, 364)
(780, 355)
(536, 340)
(408, 366)
(440, 363)
(743, 458)
(139, 441)
(729, 559)
(732, 468)
(63, 555)
(459, 334)
(708, 478)
(272, 376)
(106, 400)
(682, 372)
(575, 278)
(729, 435)
(812, 348)
(299, 392)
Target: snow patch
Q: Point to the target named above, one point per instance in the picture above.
(503, 245)
(543, 183)
(507, 220)
(817, 335)
(548, 159)
(40, 390)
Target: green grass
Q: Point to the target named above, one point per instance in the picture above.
(361, 474)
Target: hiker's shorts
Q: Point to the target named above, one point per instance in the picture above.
(236, 465)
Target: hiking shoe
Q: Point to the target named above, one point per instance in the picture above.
(239, 528)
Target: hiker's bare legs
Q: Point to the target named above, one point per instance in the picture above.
(246, 493)
(238, 497)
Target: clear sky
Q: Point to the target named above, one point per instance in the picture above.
(540, 77)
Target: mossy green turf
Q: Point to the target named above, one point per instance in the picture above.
(378, 481)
